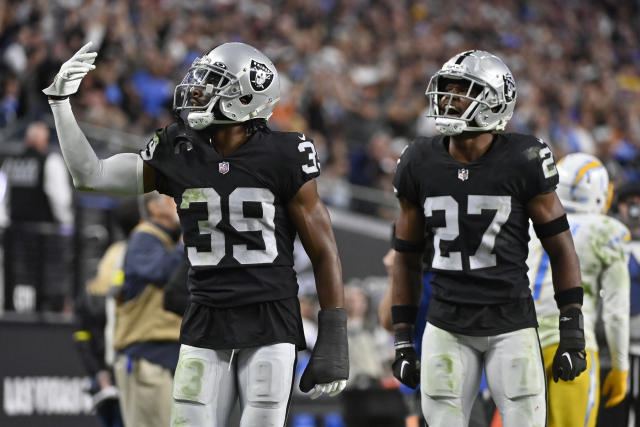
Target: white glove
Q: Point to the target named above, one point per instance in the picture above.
(71, 73)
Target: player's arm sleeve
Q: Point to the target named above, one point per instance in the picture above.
(541, 175)
(405, 185)
(615, 283)
(121, 173)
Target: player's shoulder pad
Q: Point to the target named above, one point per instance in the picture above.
(290, 145)
(296, 151)
(613, 230)
(526, 147)
(287, 140)
(173, 138)
(179, 137)
(419, 148)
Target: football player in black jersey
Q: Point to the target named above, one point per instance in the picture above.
(466, 198)
(243, 193)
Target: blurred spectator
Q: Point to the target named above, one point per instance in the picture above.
(366, 365)
(628, 207)
(628, 211)
(39, 183)
(146, 335)
(373, 165)
(94, 338)
(37, 241)
(9, 100)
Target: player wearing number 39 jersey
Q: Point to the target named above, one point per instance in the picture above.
(243, 192)
(466, 198)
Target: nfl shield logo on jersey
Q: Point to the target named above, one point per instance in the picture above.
(223, 167)
(463, 174)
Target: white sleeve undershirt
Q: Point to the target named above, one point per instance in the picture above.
(57, 189)
(120, 173)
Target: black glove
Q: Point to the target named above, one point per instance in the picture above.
(406, 367)
(569, 360)
(330, 357)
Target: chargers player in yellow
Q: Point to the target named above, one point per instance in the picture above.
(585, 193)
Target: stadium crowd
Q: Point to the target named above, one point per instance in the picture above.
(353, 72)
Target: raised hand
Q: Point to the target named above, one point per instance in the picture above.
(71, 73)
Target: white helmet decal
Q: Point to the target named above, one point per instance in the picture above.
(260, 76)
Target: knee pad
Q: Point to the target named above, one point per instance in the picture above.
(193, 381)
(441, 375)
(266, 388)
(522, 377)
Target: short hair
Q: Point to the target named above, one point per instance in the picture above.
(147, 199)
(628, 189)
(33, 131)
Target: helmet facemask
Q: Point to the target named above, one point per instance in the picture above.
(200, 92)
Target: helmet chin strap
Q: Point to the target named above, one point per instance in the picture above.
(450, 127)
(199, 120)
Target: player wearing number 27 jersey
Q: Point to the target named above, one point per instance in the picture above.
(466, 197)
(476, 227)
(600, 243)
(243, 192)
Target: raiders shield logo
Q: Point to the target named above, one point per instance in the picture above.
(223, 167)
(463, 174)
(509, 88)
(260, 76)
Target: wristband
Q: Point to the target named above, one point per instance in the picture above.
(571, 326)
(57, 98)
(571, 319)
(569, 296)
(552, 228)
(404, 314)
(403, 338)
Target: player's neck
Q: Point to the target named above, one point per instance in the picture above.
(468, 147)
(228, 139)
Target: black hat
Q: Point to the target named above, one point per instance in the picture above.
(629, 188)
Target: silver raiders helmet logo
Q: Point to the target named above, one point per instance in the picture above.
(260, 76)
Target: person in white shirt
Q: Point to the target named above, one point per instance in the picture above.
(39, 206)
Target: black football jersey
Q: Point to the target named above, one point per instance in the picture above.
(476, 223)
(238, 235)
